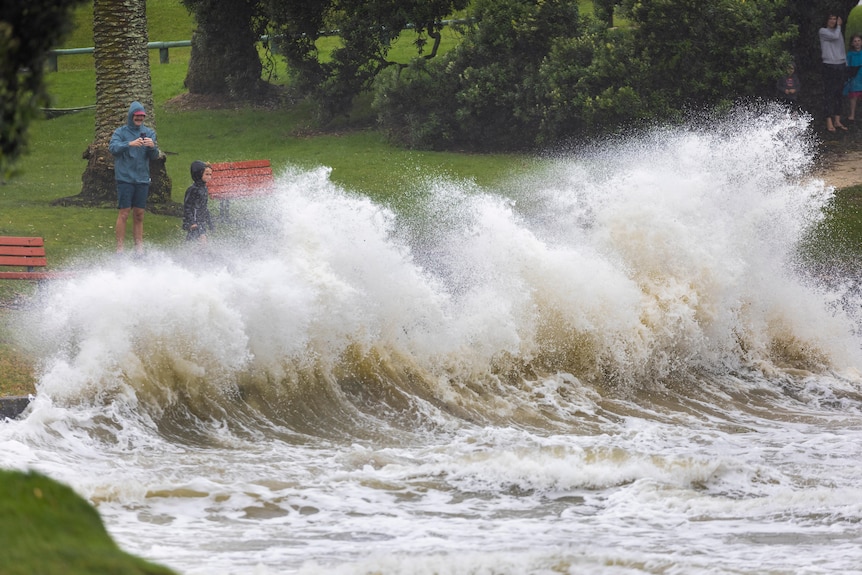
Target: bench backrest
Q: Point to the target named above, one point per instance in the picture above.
(22, 252)
(240, 179)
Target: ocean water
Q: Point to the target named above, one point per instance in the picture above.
(616, 362)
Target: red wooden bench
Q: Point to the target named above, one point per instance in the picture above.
(27, 253)
(236, 180)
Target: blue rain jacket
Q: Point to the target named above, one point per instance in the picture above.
(132, 164)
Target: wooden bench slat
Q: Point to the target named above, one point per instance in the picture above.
(235, 183)
(222, 174)
(21, 241)
(33, 275)
(23, 261)
(21, 251)
(237, 175)
(240, 165)
(236, 180)
(29, 253)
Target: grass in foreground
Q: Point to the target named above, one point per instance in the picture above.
(46, 528)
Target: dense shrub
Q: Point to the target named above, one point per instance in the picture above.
(486, 92)
(533, 73)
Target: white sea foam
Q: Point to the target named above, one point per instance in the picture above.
(612, 364)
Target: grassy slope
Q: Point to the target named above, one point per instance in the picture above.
(47, 529)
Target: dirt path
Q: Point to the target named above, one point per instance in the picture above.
(842, 171)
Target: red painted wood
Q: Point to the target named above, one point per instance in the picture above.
(25, 252)
(240, 179)
(20, 241)
(33, 275)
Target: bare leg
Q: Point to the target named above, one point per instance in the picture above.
(120, 230)
(852, 115)
(138, 228)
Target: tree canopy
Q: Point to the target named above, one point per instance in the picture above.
(28, 30)
(365, 28)
(527, 73)
(533, 73)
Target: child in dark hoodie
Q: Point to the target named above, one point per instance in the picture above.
(196, 216)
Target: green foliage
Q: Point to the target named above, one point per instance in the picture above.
(366, 30)
(486, 93)
(532, 73)
(590, 86)
(28, 30)
(409, 106)
(48, 529)
(708, 54)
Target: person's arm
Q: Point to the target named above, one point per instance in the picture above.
(830, 34)
(154, 151)
(117, 145)
(208, 218)
(188, 209)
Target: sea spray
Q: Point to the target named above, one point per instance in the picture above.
(615, 362)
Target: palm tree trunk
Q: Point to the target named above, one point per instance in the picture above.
(122, 76)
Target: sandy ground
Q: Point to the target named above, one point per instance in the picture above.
(842, 170)
(839, 157)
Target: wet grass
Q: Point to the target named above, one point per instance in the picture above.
(47, 528)
(836, 241)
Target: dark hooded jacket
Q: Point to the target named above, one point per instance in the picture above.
(195, 210)
(132, 163)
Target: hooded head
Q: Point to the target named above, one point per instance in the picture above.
(135, 108)
(197, 170)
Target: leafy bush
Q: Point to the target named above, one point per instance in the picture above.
(485, 93)
(28, 30)
(533, 73)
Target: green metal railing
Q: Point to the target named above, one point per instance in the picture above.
(164, 47)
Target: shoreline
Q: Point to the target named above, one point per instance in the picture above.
(837, 168)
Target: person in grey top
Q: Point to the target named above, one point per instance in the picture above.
(834, 64)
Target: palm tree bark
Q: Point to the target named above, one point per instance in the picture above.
(122, 76)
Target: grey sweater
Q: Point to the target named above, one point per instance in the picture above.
(832, 45)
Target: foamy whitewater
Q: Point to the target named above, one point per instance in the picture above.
(616, 362)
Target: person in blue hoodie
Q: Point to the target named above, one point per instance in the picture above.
(196, 215)
(133, 146)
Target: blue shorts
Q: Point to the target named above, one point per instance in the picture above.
(132, 195)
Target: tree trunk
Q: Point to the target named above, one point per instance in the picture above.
(224, 59)
(122, 76)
